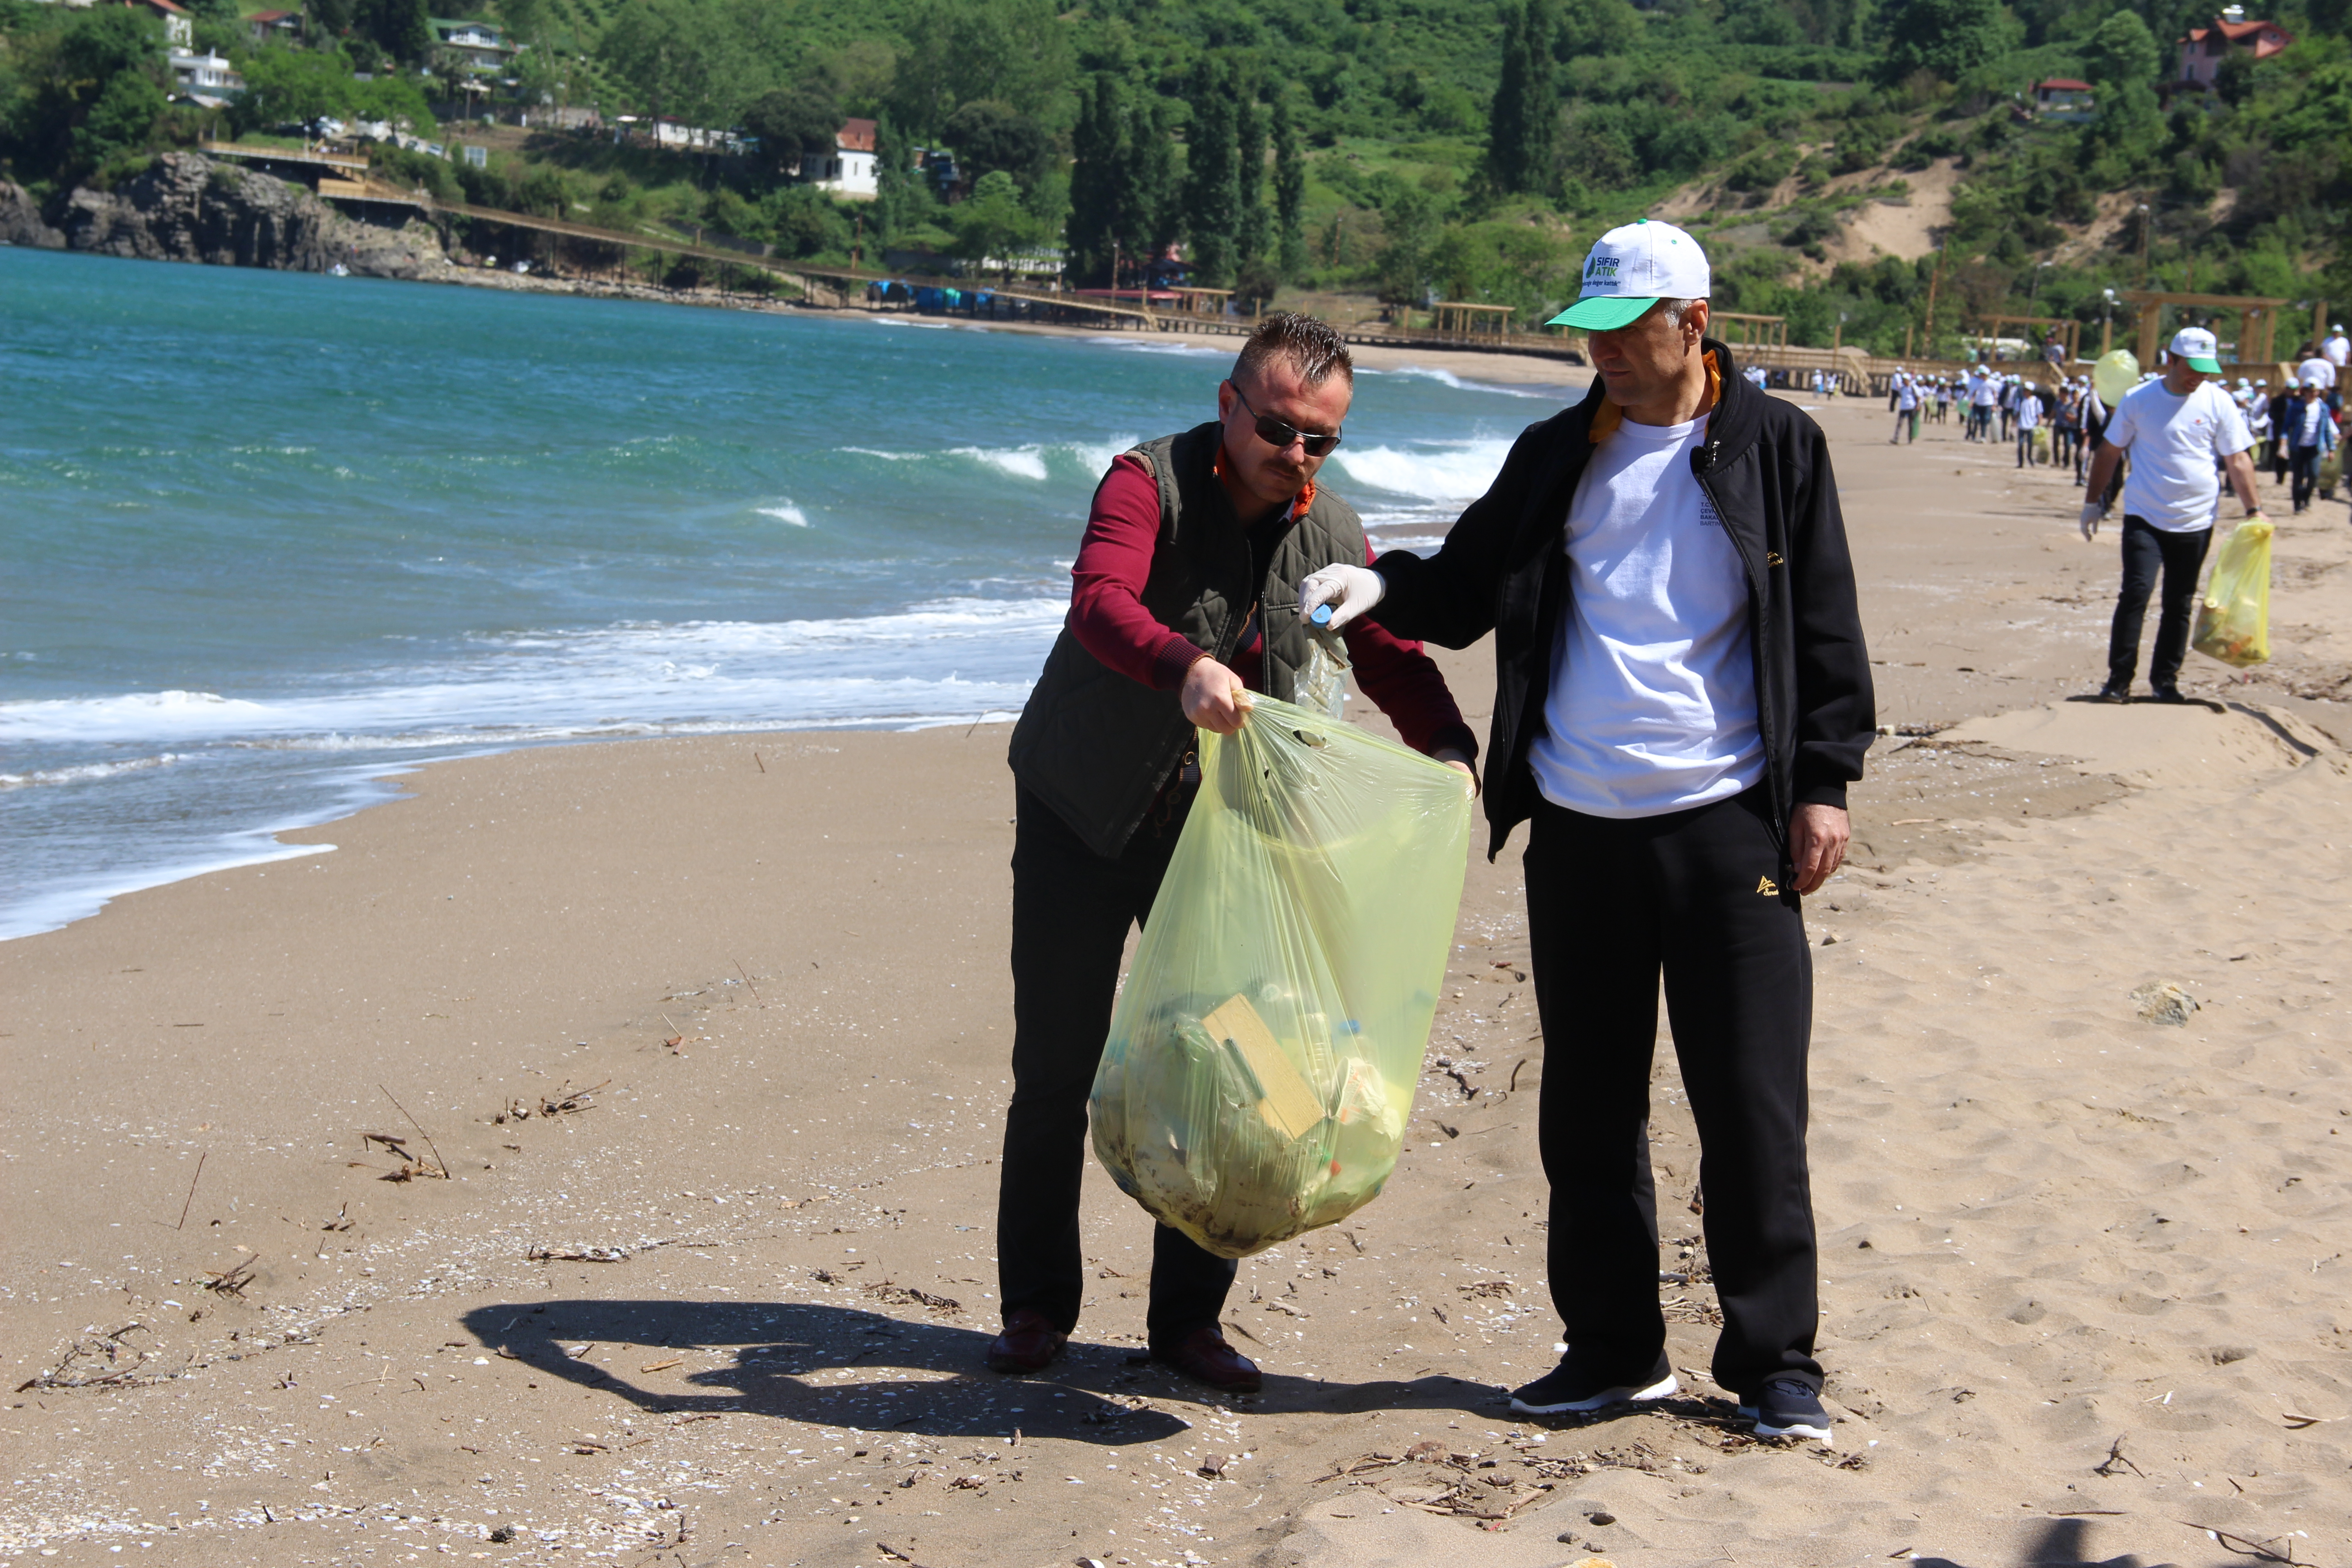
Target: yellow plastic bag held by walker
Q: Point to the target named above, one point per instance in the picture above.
(2234, 620)
(1262, 1056)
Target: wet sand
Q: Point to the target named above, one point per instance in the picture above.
(709, 1038)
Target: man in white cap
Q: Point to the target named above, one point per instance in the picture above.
(2337, 350)
(1682, 695)
(2176, 426)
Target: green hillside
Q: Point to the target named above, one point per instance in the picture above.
(1391, 149)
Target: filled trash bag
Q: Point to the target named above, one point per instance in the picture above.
(2233, 619)
(1262, 1056)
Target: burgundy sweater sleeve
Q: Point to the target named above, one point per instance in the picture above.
(1406, 684)
(1107, 613)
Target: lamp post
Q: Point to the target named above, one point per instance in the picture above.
(2106, 321)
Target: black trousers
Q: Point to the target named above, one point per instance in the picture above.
(1699, 895)
(2146, 553)
(2305, 463)
(1071, 913)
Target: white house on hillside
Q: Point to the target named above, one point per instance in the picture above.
(208, 78)
(849, 171)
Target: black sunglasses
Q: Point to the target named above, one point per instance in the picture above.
(1276, 434)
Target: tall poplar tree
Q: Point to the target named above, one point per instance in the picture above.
(1526, 111)
(1211, 186)
(1156, 201)
(1289, 191)
(1102, 153)
(1252, 235)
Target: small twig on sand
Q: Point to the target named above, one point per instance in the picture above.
(2116, 1457)
(192, 1190)
(761, 765)
(420, 1132)
(747, 979)
(676, 1034)
(233, 1281)
(2255, 1549)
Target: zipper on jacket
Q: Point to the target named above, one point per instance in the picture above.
(1757, 604)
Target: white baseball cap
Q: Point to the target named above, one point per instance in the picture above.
(1633, 268)
(2196, 345)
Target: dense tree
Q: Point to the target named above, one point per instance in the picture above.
(401, 28)
(994, 223)
(989, 135)
(792, 124)
(1015, 51)
(1289, 191)
(1525, 117)
(1946, 37)
(1212, 182)
(2122, 52)
(900, 200)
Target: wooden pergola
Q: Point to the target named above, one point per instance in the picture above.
(1202, 301)
(1465, 319)
(2257, 321)
(2071, 330)
(1769, 332)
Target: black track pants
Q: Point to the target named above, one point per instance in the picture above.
(1700, 895)
(2149, 552)
(1071, 913)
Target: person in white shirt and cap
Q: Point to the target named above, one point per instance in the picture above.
(1682, 693)
(2176, 426)
(2337, 349)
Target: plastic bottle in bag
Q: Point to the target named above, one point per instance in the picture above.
(1262, 1056)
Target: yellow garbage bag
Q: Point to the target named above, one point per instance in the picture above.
(2234, 620)
(1262, 1056)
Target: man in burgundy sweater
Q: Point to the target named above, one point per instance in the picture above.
(1185, 594)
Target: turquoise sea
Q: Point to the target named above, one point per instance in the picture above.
(267, 538)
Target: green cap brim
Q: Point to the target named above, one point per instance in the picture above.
(2210, 366)
(1603, 312)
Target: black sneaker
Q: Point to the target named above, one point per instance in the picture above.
(2116, 691)
(1789, 1407)
(1560, 1392)
(2170, 694)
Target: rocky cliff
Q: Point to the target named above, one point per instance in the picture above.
(186, 207)
(20, 220)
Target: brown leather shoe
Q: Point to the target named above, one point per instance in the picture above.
(1205, 1357)
(1029, 1343)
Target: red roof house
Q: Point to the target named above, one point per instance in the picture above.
(2204, 49)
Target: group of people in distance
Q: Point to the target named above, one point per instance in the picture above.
(2056, 427)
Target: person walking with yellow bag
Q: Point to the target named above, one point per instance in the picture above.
(2176, 427)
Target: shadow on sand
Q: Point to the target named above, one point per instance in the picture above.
(830, 1365)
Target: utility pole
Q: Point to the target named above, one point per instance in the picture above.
(1934, 278)
(2145, 219)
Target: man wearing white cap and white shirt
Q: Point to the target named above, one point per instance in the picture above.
(2176, 427)
(1682, 695)
(2337, 350)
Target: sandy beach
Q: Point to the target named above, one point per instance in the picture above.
(591, 1156)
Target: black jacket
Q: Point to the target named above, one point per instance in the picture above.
(1503, 569)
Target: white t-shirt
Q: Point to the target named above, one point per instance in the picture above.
(2028, 411)
(2337, 350)
(1653, 700)
(2307, 423)
(1984, 392)
(2173, 442)
(1906, 394)
(2316, 372)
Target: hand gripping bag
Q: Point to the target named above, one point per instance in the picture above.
(2233, 619)
(1262, 1056)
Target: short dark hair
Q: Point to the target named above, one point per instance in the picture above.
(1313, 348)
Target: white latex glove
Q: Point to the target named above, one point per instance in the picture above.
(2092, 512)
(1348, 590)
